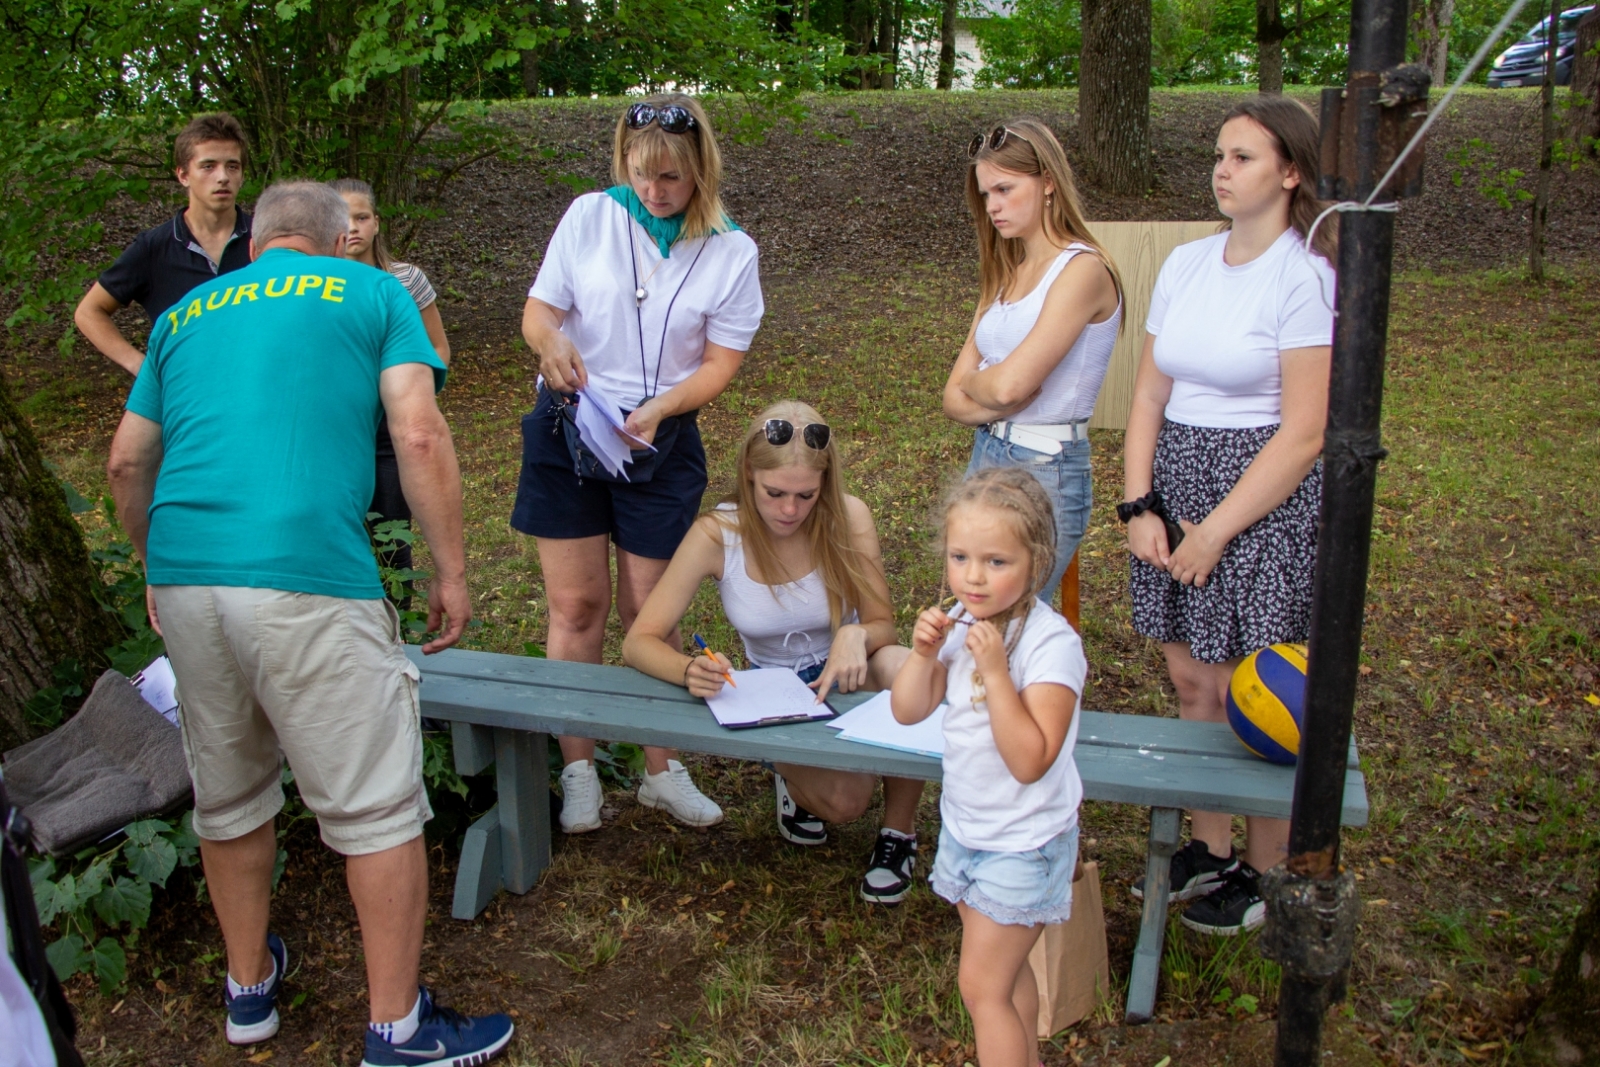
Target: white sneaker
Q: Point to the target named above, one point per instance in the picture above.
(580, 797)
(673, 790)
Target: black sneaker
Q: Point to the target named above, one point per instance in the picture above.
(1234, 908)
(1195, 872)
(796, 824)
(889, 872)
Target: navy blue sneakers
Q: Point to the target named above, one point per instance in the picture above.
(444, 1038)
(253, 1017)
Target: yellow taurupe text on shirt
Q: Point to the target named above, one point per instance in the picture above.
(328, 288)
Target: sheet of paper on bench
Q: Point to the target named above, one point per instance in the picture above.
(873, 723)
(765, 697)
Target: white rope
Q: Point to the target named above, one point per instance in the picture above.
(1466, 73)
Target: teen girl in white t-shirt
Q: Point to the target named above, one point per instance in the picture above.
(1012, 671)
(796, 561)
(1224, 437)
(1049, 311)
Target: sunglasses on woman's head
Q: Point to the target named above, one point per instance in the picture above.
(993, 140)
(672, 118)
(781, 431)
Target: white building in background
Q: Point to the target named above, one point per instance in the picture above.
(923, 55)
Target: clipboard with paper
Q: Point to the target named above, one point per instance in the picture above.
(766, 697)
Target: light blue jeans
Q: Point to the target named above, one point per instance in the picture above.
(1066, 480)
(1012, 888)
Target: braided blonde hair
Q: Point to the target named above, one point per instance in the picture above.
(1017, 496)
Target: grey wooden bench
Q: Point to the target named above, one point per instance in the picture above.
(503, 710)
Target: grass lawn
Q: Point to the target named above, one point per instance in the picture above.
(1478, 721)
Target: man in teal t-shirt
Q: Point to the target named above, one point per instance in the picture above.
(242, 471)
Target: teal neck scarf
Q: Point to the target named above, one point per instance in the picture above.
(665, 232)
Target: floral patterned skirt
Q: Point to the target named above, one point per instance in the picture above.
(1260, 592)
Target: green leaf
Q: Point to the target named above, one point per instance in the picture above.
(52, 898)
(68, 956)
(147, 830)
(110, 965)
(124, 900)
(186, 841)
(152, 862)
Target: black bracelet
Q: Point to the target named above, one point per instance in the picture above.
(1132, 509)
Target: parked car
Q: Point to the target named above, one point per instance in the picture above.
(1523, 62)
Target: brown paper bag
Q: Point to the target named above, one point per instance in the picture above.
(1069, 960)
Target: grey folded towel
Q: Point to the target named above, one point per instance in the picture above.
(116, 761)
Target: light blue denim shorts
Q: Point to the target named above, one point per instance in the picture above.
(1012, 888)
(1066, 479)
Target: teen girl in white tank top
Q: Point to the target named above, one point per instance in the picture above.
(1068, 393)
(1029, 373)
(832, 625)
(780, 625)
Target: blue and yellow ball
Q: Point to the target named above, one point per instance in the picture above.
(1267, 700)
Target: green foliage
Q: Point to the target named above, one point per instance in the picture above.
(1476, 158)
(100, 900)
(1191, 41)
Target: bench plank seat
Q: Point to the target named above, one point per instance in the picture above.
(503, 709)
(1129, 759)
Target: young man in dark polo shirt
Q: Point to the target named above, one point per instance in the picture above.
(162, 264)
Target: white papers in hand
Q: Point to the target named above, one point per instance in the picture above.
(159, 687)
(603, 430)
(764, 698)
(873, 723)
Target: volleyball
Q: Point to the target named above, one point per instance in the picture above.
(1267, 700)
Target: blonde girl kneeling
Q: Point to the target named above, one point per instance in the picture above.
(797, 563)
(1012, 671)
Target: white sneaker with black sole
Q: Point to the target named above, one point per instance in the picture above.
(1195, 872)
(796, 825)
(674, 792)
(580, 797)
(892, 868)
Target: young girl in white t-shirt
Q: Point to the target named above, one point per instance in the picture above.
(1224, 438)
(1012, 671)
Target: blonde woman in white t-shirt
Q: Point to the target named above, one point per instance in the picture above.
(1223, 441)
(1049, 310)
(797, 564)
(650, 294)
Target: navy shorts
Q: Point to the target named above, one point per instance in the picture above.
(648, 519)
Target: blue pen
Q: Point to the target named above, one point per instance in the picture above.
(701, 645)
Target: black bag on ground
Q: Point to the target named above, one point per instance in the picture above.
(22, 919)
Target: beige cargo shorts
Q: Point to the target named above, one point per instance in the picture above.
(324, 682)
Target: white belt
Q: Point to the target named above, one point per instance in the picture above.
(1046, 439)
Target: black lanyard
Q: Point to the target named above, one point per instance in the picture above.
(638, 315)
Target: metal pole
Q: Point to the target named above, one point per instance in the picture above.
(1312, 906)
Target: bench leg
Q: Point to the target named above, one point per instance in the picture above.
(1165, 825)
(478, 877)
(522, 779)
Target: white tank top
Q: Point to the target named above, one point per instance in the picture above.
(781, 626)
(1069, 391)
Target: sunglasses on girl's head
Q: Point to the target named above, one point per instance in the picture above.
(781, 432)
(993, 140)
(672, 118)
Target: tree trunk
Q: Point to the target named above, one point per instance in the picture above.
(530, 72)
(1270, 33)
(48, 610)
(947, 45)
(1566, 1028)
(1430, 24)
(1114, 94)
(1586, 84)
(1541, 194)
